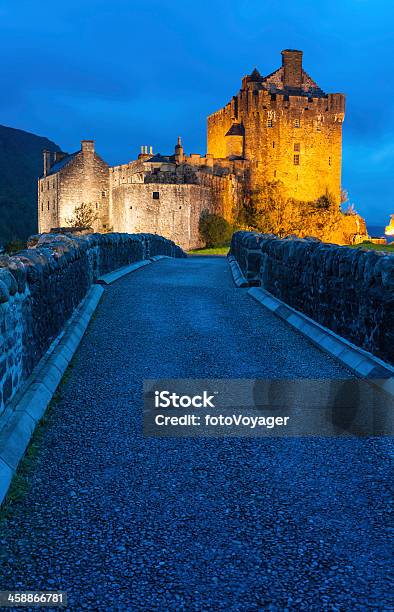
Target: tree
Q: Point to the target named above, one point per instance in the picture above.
(84, 216)
(344, 196)
(268, 209)
(214, 229)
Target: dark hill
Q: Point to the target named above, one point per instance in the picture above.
(20, 165)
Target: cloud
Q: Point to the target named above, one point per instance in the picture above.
(140, 73)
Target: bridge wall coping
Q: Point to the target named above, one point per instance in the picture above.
(349, 291)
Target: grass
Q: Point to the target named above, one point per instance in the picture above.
(389, 248)
(20, 484)
(222, 250)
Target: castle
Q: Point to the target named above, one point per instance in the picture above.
(281, 127)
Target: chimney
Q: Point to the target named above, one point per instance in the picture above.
(292, 64)
(144, 152)
(47, 161)
(87, 147)
(58, 156)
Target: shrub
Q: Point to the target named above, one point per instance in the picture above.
(214, 230)
(14, 246)
(84, 216)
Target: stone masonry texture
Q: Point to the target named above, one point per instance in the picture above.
(280, 120)
(41, 286)
(280, 128)
(350, 291)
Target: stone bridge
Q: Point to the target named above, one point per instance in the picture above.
(121, 521)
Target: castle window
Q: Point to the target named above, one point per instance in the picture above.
(296, 160)
(48, 205)
(273, 145)
(269, 123)
(42, 206)
(42, 186)
(103, 194)
(156, 195)
(297, 146)
(274, 173)
(329, 161)
(180, 207)
(96, 205)
(296, 123)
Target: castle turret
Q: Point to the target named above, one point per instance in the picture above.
(179, 152)
(252, 79)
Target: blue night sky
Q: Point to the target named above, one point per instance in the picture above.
(128, 73)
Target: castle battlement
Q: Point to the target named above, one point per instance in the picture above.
(287, 127)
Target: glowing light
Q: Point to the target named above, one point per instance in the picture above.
(389, 230)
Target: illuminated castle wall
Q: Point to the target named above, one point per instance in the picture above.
(288, 127)
(281, 127)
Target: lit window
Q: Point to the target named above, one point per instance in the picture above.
(296, 160)
(297, 146)
(296, 123)
(269, 123)
(156, 195)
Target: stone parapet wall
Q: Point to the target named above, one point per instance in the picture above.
(350, 291)
(41, 287)
(246, 248)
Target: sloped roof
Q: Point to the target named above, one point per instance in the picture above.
(236, 130)
(60, 164)
(275, 82)
(163, 159)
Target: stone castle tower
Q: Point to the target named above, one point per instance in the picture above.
(286, 127)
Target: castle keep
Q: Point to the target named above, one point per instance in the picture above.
(281, 127)
(286, 127)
